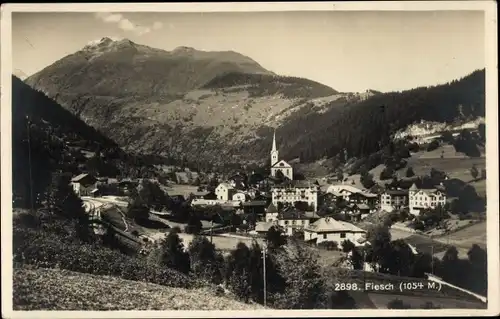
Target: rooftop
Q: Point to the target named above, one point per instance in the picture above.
(79, 177)
(296, 184)
(255, 203)
(396, 192)
(325, 225)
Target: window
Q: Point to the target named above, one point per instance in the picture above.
(342, 235)
(286, 222)
(293, 222)
(324, 236)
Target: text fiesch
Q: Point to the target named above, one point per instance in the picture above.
(370, 286)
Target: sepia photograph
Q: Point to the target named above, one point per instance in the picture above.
(249, 160)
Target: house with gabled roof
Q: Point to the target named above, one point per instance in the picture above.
(392, 199)
(329, 229)
(225, 191)
(83, 184)
(292, 219)
(421, 199)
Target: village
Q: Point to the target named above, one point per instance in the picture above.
(239, 208)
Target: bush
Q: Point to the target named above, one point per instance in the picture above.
(329, 245)
(48, 250)
(387, 173)
(410, 172)
(347, 246)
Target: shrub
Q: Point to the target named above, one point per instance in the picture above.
(329, 245)
(49, 250)
(347, 246)
(387, 173)
(410, 172)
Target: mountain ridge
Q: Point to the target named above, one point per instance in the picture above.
(218, 113)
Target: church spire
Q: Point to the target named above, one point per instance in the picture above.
(274, 151)
(274, 142)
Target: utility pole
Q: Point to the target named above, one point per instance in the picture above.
(211, 231)
(264, 252)
(432, 259)
(363, 269)
(28, 126)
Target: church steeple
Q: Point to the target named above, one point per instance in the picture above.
(274, 142)
(274, 150)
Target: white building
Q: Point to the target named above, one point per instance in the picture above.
(344, 191)
(225, 191)
(329, 229)
(295, 191)
(291, 220)
(277, 165)
(239, 196)
(214, 202)
(393, 199)
(421, 199)
(271, 213)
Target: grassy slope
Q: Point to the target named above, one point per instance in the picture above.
(455, 165)
(53, 289)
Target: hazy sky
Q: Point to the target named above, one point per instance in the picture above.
(349, 51)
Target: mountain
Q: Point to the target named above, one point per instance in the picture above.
(184, 103)
(57, 141)
(122, 68)
(222, 107)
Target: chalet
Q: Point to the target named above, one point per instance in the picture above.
(83, 184)
(361, 210)
(291, 220)
(271, 213)
(363, 198)
(421, 199)
(344, 191)
(257, 207)
(393, 199)
(262, 228)
(329, 229)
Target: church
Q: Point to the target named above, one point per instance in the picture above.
(277, 165)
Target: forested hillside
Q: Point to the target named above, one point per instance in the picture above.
(364, 127)
(57, 142)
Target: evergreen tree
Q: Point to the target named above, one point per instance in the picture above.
(171, 253)
(237, 273)
(206, 262)
(410, 172)
(194, 225)
(64, 203)
(275, 238)
(474, 172)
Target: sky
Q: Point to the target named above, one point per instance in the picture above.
(350, 51)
